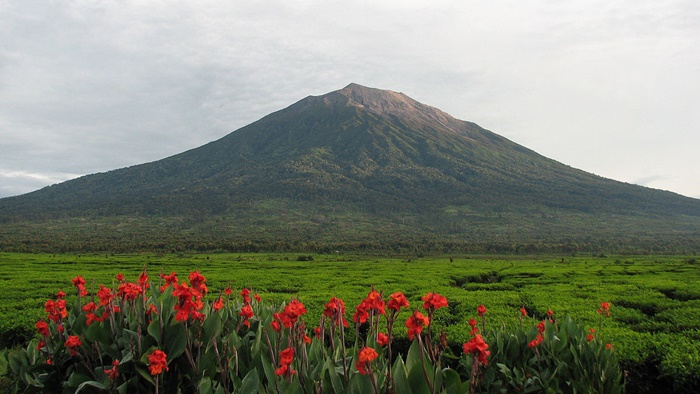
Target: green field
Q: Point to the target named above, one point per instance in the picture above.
(655, 322)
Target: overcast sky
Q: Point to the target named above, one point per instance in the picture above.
(610, 87)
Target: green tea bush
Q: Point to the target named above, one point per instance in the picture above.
(143, 336)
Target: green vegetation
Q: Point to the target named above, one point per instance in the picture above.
(654, 321)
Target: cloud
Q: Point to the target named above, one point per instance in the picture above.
(90, 86)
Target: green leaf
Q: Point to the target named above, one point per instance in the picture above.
(93, 384)
(154, 330)
(250, 382)
(212, 329)
(453, 383)
(174, 340)
(400, 376)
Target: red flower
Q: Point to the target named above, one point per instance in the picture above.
(228, 290)
(433, 301)
(151, 309)
(481, 310)
(472, 324)
(73, 343)
(257, 297)
(590, 336)
(479, 348)
(129, 291)
(604, 308)
(56, 310)
(397, 301)
(198, 282)
(143, 280)
(382, 339)
(218, 304)
(335, 309)
(79, 284)
(246, 312)
(43, 328)
(286, 358)
(105, 295)
(523, 312)
(541, 327)
(415, 324)
(365, 357)
(89, 307)
(169, 280)
(537, 341)
(550, 313)
(157, 362)
(112, 372)
(245, 293)
(119, 277)
(307, 339)
(60, 294)
(291, 313)
(317, 331)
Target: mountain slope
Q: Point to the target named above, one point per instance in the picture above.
(359, 163)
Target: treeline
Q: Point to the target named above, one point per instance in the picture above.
(406, 247)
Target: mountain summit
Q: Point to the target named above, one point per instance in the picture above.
(358, 165)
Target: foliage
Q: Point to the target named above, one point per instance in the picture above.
(143, 337)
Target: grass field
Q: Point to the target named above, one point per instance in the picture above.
(655, 322)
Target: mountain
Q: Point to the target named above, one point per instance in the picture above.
(354, 166)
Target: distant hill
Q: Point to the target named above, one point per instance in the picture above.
(358, 167)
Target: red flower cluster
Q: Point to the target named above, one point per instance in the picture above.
(415, 324)
(398, 301)
(366, 356)
(170, 280)
(286, 358)
(590, 336)
(43, 328)
(79, 284)
(540, 335)
(56, 310)
(157, 362)
(474, 328)
(478, 348)
(246, 313)
(373, 303)
(73, 343)
(335, 309)
(198, 282)
(433, 301)
(481, 310)
(382, 339)
(112, 372)
(189, 303)
(129, 291)
(89, 310)
(218, 304)
(604, 308)
(289, 315)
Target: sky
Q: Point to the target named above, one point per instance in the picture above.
(609, 87)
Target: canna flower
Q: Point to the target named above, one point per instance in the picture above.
(604, 308)
(218, 304)
(119, 277)
(129, 291)
(157, 362)
(307, 339)
(79, 284)
(590, 336)
(197, 281)
(335, 308)
(472, 324)
(481, 310)
(73, 343)
(143, 280)
(433, 301)
(382, 339)
(257, 297)
(397, 301)
(112, 372)
(478, 348)
(105, 295)
(61, 294)
(523, 312)
(169, 280)
(365, 357)
(245, 293)
(415, 324)
(43, 328)
(536, 342)
(286, 358)
(228, 290)
(246, 312)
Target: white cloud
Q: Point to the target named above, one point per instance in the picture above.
(88, 86)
